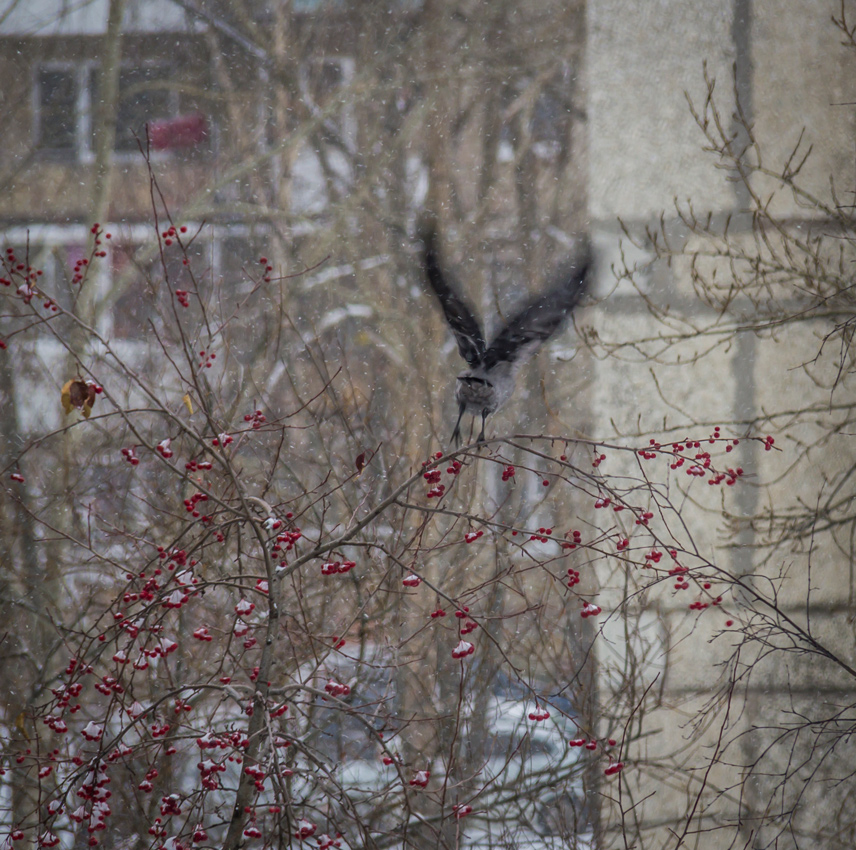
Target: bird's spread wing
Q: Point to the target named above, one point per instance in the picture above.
(458, 313)
(540, 318)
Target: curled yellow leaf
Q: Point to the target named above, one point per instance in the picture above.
(78, 394)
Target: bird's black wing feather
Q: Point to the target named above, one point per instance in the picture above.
(458, 313)
(540, 318)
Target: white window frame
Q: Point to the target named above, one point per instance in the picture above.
(81, 71)
(49, 237)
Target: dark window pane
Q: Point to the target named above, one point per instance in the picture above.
(135, 305)
(57, 95)
(239, 262)
(89, 114)
(330, 77)
(144, 283)
(143, 97)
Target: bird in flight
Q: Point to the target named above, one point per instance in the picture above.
(489, 381)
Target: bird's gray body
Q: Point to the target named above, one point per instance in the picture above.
(489, 382)
(479, 390)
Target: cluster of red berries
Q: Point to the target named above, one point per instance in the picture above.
(463, 649)
(79, 270)
(432, 476)
(257, 419)
(208, 769)
(613, 768)
(305, 829)
(337, 689)
(332, 568)
(541, 535)
(700, 464)
(576, 540)
(190, 505)
(420, 778)
(170, 235)
(700, 606)
(287, 539)
(130, 455)
(98, 232)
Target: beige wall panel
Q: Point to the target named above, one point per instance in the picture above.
(643, 143)
(803, 77)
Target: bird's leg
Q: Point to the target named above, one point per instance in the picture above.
(481, 435)
(456, 434)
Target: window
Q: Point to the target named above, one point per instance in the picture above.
(65, 92)
(544, 117)
(135, 283)
(143, 282)
(135, 306)
(238, 256)
(322, 84)
(143, 98)
(330, 75)
(324, 162)
(57, 109)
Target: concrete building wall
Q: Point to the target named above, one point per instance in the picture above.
(645, 154)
